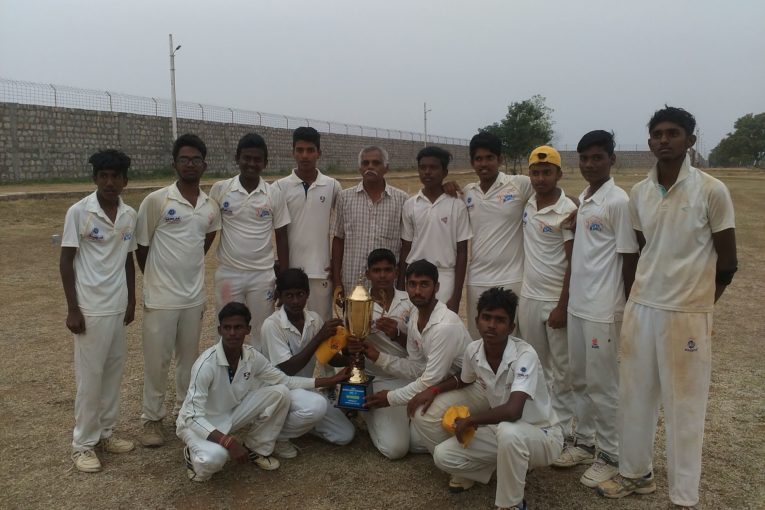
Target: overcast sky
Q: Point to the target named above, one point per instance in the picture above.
(600, 64)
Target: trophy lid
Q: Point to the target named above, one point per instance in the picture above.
(359, 294)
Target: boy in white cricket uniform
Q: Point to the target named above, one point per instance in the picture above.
(543, 304)
(252, 212)
(310, 197)
(495, 205)
(684, 223)
(436, 339)
(388, 426)
(290, 337)
(98, 276)
(515, 426)
(176, 226)
(605, 253)
(234, 386)
(436, 227)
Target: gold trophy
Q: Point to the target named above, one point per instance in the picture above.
(358, 322)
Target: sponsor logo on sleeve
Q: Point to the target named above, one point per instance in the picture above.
(525, 218)
(469, 203)
(691, 346)
(522, 373)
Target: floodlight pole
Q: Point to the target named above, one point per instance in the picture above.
(174, 110)
(425, 111)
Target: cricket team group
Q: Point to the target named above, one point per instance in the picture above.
(584, 315)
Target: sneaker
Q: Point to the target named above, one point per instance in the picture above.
(265, 462)
(190, 473)
(620, 486)
(520, 506)
(152, 436)
(86, 461)
(574, 455)
(285, 450)
(115, 445)
(601, 471)
(458, 484)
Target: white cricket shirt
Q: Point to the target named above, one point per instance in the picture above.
(282, 340)
(400, 310)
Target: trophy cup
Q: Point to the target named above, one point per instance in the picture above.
(358, 321)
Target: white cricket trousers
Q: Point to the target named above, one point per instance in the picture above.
(510, 448)
(253, 288)
(263, 411)
(427, 427)
(165, 331)
(552, 348)
(474, 293)
(445, 284)
(311, 411)
(667, 359)
(389, 426)
(320, 297)
(99, 359)
(593, 350)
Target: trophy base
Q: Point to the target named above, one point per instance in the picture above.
(352, 395)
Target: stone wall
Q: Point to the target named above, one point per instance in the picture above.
(43, 142)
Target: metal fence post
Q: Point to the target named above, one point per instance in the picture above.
(156, 107)
(110, 100)
(55, 95)
(203, 110)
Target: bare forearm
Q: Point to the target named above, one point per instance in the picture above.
(282, 248)
(460, 270)
(66, 268)
(130, 277)
(141, 253)
(338, 245)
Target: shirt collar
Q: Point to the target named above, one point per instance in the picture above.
(220, 354)
(237, 186)
(93, 206)
(321, 179)
(285, 323)
(508, 357)
(685, 171)
(501, 180)
(599, 196)
(557, 207)
(175, 194)
(398, 297)
(421, 195)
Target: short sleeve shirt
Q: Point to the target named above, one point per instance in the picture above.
(496, 254)
(603, 232)
(519, 370)
(676, 268)
(435, 228)
(545, 257)
(310, 213)
(248, 221)
(102, 249)
(175, 232)
(282, 340)
(400, 310)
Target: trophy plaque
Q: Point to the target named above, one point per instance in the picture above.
(358, 321)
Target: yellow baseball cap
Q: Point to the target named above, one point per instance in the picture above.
(544, 154)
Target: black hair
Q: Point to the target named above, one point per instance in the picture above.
(422, 268)
(443, 155)
(110, 159)
(292, 278)
(497, 297)
(306, 134)
(189, 140)
(379, 255)
(675, 115)
(599, 138)
(234, 309)
(252, 141)
(485, 140)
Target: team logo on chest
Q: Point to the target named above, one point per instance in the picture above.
(691, 346)
(594, 224)
(506, 197)
(95, 235)
(127, 236)
(171, 216)
(445, 220)
(547, 228)
(262, 212)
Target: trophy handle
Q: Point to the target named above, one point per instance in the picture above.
(335, 305)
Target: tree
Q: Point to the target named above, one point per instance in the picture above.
(745, 146)
(527, 125)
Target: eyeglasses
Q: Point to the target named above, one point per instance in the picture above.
(195, 161)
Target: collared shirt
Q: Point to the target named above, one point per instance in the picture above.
(545, 262)
(212, 396)
(310, 213)
(676, 268)
(519, 370)
(433, 354)
(435, 228)
(603, 232)
(102, 249)
(365, 225)
(175, 232)
(496, 253)
(248, 223)
(400, 310)
(282, 340)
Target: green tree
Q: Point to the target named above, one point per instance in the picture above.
(745, 146)
(527, 124)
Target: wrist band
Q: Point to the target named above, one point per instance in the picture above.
(434, 390)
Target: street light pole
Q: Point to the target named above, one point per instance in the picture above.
(425, 121)
(173, 107)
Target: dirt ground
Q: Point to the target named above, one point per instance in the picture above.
(37, 395)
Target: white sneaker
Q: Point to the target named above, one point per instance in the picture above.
(285, 450)
(458, 484)
(116, 445)
(266, 462)
(598, 473)
(573, 456)
(86, 461)
(151, 435)
(190, 473)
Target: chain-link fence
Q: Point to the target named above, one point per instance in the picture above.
(23, 92)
